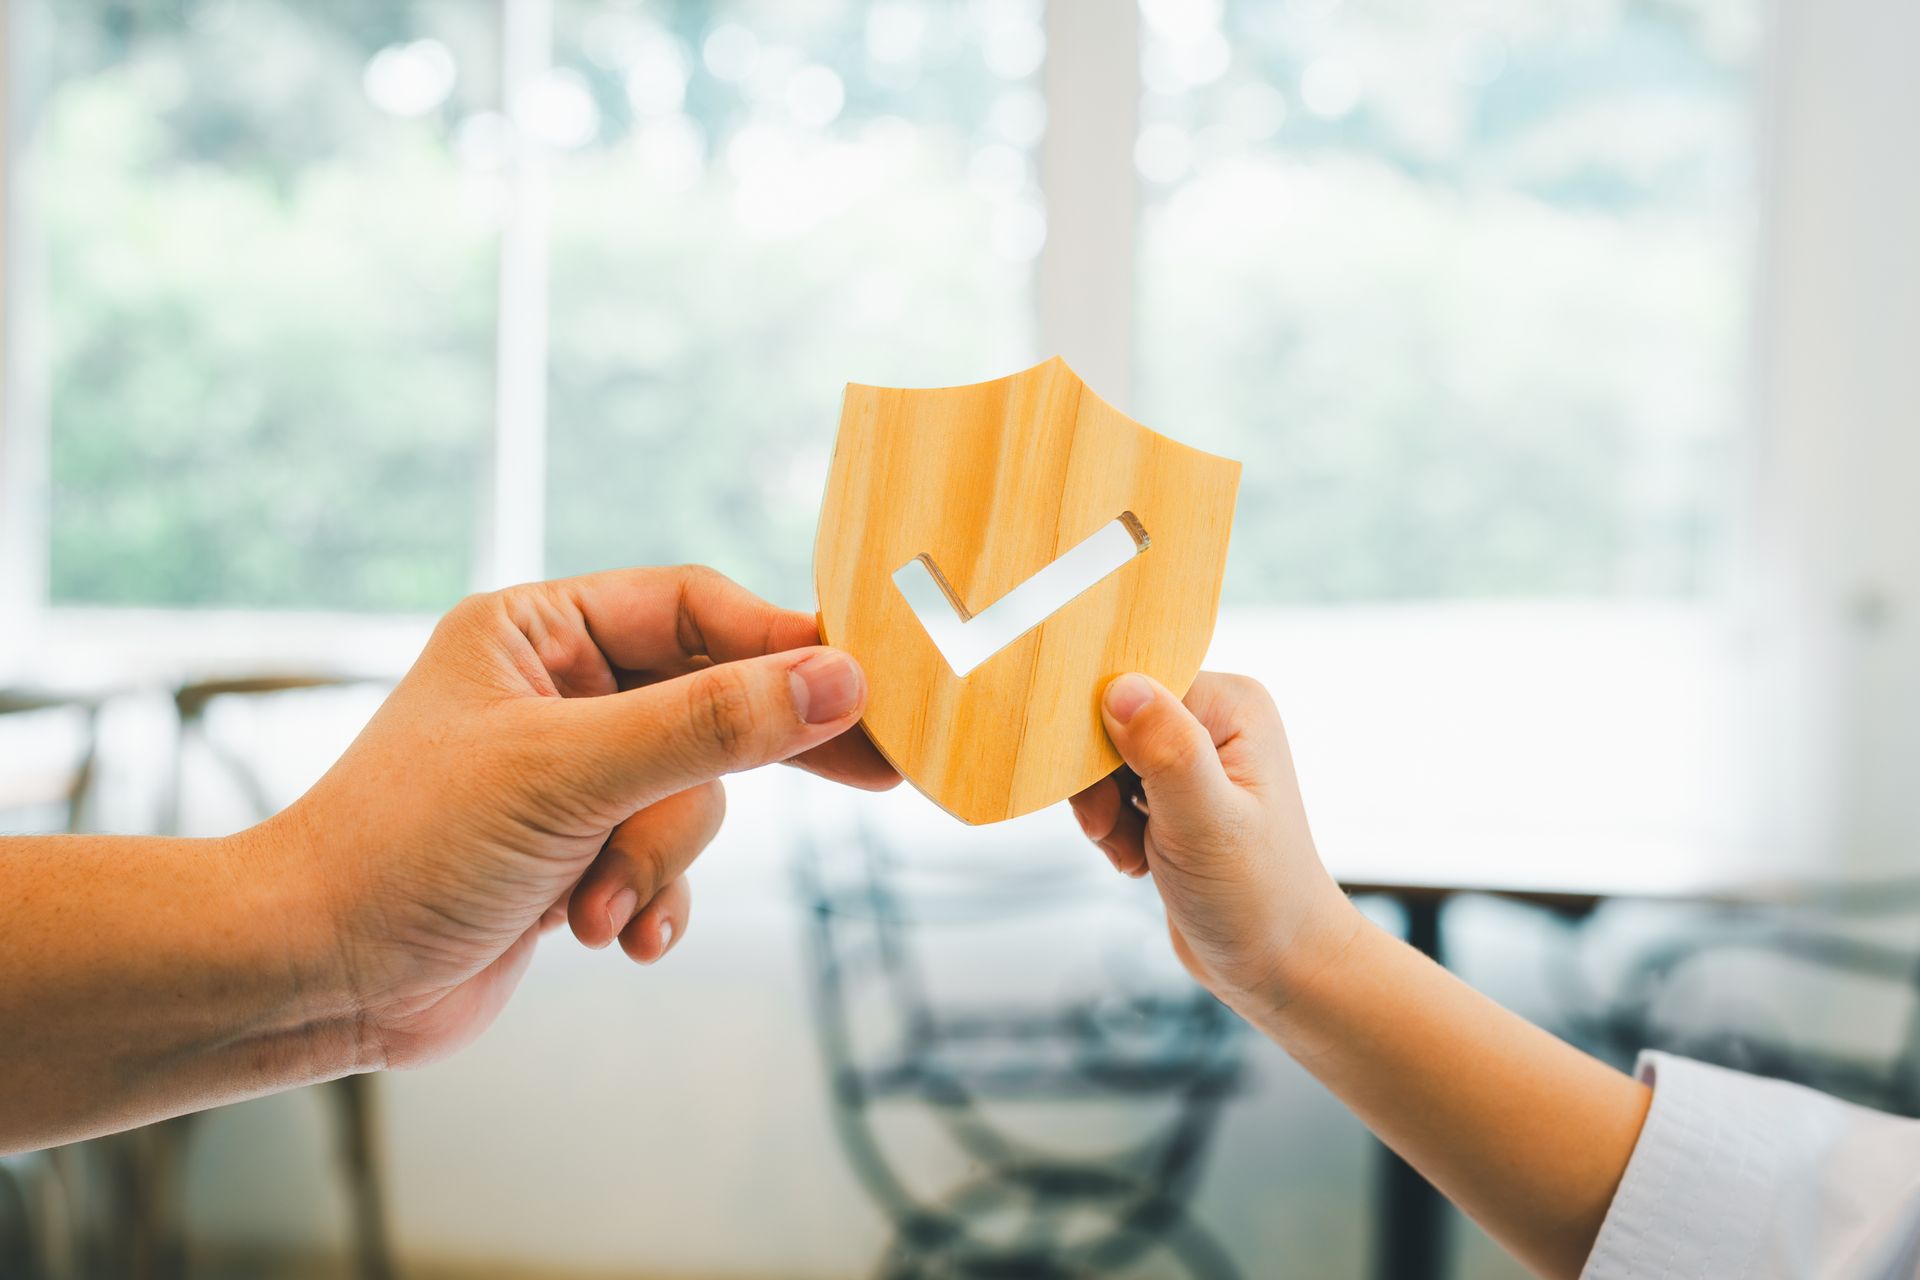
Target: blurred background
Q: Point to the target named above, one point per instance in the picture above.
(1569, 350)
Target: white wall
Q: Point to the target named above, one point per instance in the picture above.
(1837, 512)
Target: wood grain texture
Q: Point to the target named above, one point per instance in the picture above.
(994, 481)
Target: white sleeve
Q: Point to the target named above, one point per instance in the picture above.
(1738, 1176)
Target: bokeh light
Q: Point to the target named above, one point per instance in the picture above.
(410, 79)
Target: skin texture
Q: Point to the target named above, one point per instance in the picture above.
(552, 757)
(1524, 1132)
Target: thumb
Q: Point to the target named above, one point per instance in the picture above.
(658, 740)
(1168, 747)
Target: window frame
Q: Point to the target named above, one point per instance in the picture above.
(23, 458)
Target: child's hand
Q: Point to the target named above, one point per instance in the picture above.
(1525, 1133)
(1251, 910)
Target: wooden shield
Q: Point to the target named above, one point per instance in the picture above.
(988, 485)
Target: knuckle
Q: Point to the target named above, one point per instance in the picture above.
(1247, 691)
(1267, 711)
(1242, 686)
(1253, 698)
(469, 610)
(473, 602)
(696, 582)
(1182, 755)
(1262, 698)
(701, 575)
(723, 714)
(467, 627)
(1170, 749)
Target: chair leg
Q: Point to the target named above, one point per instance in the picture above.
(359, 1134)
(156, 1235)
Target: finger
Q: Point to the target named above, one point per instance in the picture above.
(639, 746)
(1239, 715)
(1098, 808)
(663, 923)
(1114, 826)
(653, 617)
(670, 622)
(590, 635)
(851, 759)
(1164, 743)
(644, 854)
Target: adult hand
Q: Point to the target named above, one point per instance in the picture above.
(554, 753)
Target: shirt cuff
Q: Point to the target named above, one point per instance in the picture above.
(1717, 1152)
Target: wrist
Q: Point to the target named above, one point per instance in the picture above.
(287, 908)
(1319, 945)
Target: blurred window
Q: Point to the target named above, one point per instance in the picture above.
(266, 283)
(764, 201)
(1466, 285)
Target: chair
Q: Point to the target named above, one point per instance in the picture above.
(62, 787)
(1848, 935)
(160, 1149)
(1026, 1209)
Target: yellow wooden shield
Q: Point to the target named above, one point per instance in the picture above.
(1000, 499)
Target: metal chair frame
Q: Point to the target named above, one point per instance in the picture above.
(1180, 1050)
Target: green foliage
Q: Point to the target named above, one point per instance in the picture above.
(270, 381)
(1470, 338)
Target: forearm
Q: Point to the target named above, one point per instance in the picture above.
(144, 977)
(1528, 1135)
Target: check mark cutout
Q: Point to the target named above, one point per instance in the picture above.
(967, 639)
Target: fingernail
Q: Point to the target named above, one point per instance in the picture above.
(826, 686)
(1114, 858)
(1127, 695)
(620, 910)
(666, 935)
